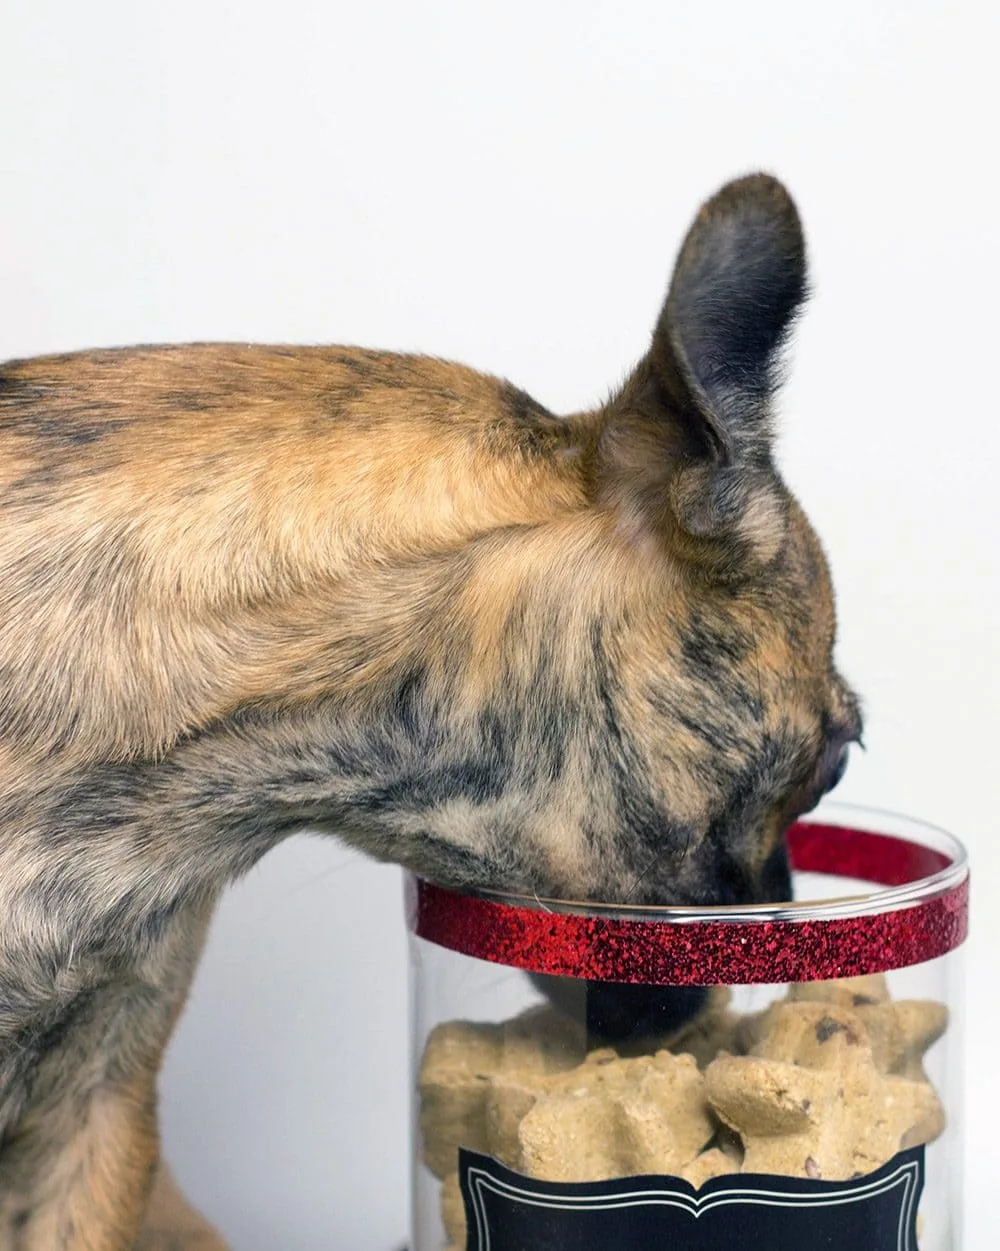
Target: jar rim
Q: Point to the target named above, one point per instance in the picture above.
(919, 913)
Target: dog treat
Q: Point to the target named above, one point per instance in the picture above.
(853, 992)
(461, 1059)
(901, 1032)
(810, 1101)
(615, 1117)
(709, 1164)
(827, 1083)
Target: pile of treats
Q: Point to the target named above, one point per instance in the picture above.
(827, 1083)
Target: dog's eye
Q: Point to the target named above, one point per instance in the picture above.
(838, 769)
(831, 766)
(826, 773)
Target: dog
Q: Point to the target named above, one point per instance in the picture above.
(252, 589)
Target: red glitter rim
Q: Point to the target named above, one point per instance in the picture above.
(739, 951)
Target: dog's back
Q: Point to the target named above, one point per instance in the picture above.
(162, 505)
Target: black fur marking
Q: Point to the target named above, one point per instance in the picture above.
(642, 827)
(64, 433)
(775, 885)
(52, 1034)
(548, 715)
(481, 776)
(338, 405)
(448, 864)
(25, 411)
(523, 409)
(716, 654)
(16, 392)
(718, 737)
(725, 871)
(154, 924)
(408, 703)
(708, 646)
(538, 709)
(537, 431)
(53, 436)
(100, 797)
(377, 369)
(361, 366)
(714, 662)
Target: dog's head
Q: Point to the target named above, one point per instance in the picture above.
(654, 699)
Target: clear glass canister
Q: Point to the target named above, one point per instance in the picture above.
(771, 1076)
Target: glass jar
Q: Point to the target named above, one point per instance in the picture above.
(593, 1077)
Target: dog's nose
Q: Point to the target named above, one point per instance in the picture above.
(622, 1013)
(619, 1012)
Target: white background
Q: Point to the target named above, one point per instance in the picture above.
(507, 185)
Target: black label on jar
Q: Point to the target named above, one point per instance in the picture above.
(876, 1212)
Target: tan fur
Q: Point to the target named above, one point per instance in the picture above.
(95, 1195)
(290, 503)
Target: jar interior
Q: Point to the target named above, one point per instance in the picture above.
(508, 1014)
(570, 1080)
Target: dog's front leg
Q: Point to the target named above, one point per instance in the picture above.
(79, 1146)
(88, 1191)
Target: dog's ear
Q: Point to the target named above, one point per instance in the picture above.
(688, 440)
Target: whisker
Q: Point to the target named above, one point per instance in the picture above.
(638, 881)
(676, 856)
(544, 906)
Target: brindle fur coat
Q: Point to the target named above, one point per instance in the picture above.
(251, 589)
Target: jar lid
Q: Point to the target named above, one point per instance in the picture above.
(919, 913)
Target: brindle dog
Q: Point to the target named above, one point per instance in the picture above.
(251, 589)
